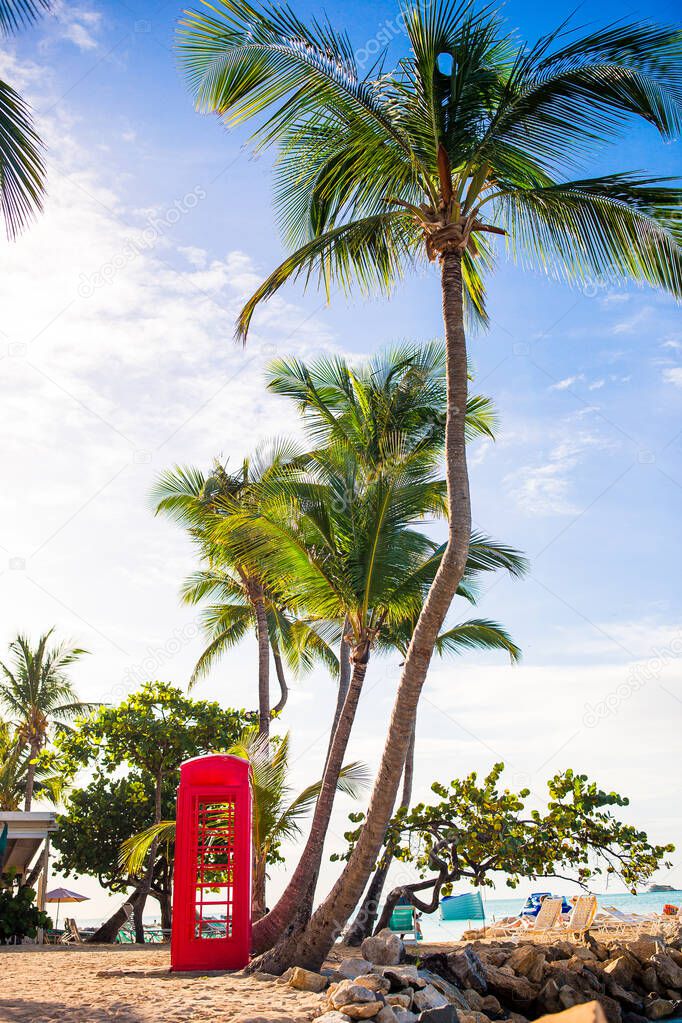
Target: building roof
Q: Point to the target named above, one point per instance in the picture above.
(26, 832)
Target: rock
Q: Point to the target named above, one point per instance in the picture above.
(265, 977)
(506, 969)
(429, 998)
(491, 1007)
(611, 1008)
(349, 969)
(401, 999)
(473, 998)
(384, 948)
(575, 963)
(598, 947)
(472, 1017)
(361, 1010)
(649, 979)
(386, 1015)
(528, 961)
(468, 969)
(440, 1014)
(568, 997)
(644, 947)
(403, 1016)
(349, 991)
(633, 1017)
(453, 995)
(333, 1016)
(306, 980)
(675, 955)
(403, 976)
(626, 998)
(590, 1012)
(516, 1017)
(507, 986)
(659, 1008)
(667, 970)
(286, 976)
(622, 969)
(376, 982)
(583, 952)
(548, 997)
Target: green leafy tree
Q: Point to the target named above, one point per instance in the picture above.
(472, 137)
(476, 830)
(22, 171)
(152, 732)
(19, 917)
(100, 815)
(36, 691)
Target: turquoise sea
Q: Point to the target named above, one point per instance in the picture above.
(435, 929)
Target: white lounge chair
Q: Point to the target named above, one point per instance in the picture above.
(582, 916)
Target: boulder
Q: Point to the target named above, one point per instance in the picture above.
(285, 977)
(472, 1017)
(404, 1016)
(633, 1017)
(528, 961)
(568, 997)
(626, 998)
(403, 976)
(439, 1014)
(649, 979)
(589, 1012)
(622, 969)
(333, 1016)
(491, 1007)
(429, 998)
(361, 1010)
(675, 954)
(611, 1008)
(401, 999)
(583, 952)
(385, 1015)
(507, 986)
(306, 980)
(384, 948)
(468, 970)
(660, 1008)
(644, 947)
(349, 992)
(376, 982)
(516, 1017)
(473, 999)
(349, 969)
(451, 993)
(667, 970)
(548, 997)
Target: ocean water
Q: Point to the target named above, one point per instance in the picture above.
(435, 929)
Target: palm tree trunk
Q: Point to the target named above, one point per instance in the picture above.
(344, 682)
(30, 777)
(281, 679)
(363, 924)
(296, 901)
(263, 638)
(310, 948)
(106, 933)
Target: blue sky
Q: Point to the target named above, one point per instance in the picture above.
(116, 361)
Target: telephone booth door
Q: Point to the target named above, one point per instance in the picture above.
(213, 859)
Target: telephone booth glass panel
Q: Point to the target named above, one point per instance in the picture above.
(213, 861)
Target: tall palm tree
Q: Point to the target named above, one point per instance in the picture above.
(472, 137)
(276, 815)
(22, 171)
(196, 500)
(36, 691)
(339, 539)
(15, 764)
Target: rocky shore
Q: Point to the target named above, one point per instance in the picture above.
(633, 981)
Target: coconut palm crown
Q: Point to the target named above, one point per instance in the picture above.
(472, 135)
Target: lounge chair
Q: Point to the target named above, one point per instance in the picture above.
(614, 920)
(404, 921)
(522, 928)
(582, 916)
(71, 935)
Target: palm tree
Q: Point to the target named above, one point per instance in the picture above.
(35, 690)
(15, 764)
(472, 137)
(242, 601)
(22, 171)
(276, 815)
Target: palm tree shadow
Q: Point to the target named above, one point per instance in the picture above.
(20, 1010)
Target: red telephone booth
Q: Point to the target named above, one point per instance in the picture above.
(212, 874)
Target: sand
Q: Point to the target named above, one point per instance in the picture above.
(135, 986)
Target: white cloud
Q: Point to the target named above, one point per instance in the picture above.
(596, 385)
(79, 25)
(563, 385)
(673, 376)
(546, 489)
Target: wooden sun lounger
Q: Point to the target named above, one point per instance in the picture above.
(582, 916)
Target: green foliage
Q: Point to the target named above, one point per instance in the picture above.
(153, 730)
(19, 917)
(377, 170)
(477, 829)
(99, 817)
(22, 170)
(14, 765)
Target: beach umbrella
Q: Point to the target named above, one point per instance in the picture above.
(60, 895)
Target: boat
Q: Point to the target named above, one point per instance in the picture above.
(653, 888)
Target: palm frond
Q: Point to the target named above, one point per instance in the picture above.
(22, 170)
(477, 634)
